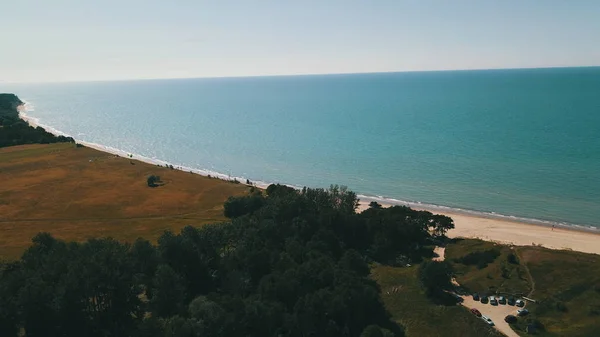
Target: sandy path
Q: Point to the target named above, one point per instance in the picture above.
(441, 253)
(518, 233)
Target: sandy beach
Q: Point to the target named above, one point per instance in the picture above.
(466, 225)
(518, 233)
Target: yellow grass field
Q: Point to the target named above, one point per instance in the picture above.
(78, 193)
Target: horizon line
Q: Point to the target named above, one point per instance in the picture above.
(290, 75)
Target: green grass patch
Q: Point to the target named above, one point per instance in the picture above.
(406, 301)
(487, 268)
(567, 288)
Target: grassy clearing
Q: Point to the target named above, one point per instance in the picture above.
(410, 307)
(79, 193)
(567, 288)
(566, 285)
(491, 270)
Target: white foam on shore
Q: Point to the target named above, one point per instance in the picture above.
(489, 215)
(27, 107)
(35, 122)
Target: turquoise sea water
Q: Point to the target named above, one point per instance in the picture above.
(522, 143)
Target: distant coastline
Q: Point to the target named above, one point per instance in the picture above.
(365, 199)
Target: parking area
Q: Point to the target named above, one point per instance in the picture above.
(496, 313)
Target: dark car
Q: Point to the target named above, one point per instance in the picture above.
(510, 319)
(511, 301)
(476, 312)
(475, 297)
(522, 312)
(484, 299)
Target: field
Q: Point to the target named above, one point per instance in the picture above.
(78, 193)
(408, 305)
(501, 275)
(565, 285)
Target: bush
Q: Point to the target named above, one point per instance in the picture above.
(374, 204)
(279, 190)
(435, 275)
(236, 207)
(560, 306)
(481, 259)
(512, 259)
(153, 181)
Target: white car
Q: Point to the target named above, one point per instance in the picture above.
(520, 303)
(487, 320)
(493, 300)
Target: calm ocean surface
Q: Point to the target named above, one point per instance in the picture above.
(522, 143)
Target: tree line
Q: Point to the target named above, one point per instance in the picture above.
(15, 131)
(288, 263)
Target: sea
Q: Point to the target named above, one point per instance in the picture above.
(520, 144)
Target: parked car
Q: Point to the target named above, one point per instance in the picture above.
(501, 300)
(493, 300)
(510, 319)
(520, 303)
(522, 312)
(475, 297)
(476, 312)
(487, 320)
(511, 301)
(484, 299)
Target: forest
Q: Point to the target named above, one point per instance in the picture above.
(287, 263)
(15, 131)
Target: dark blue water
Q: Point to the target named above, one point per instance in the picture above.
(524, 143)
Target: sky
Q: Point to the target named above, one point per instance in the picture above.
(83, 40)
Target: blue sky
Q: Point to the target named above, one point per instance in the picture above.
(73, 40)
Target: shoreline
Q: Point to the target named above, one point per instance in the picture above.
(469, 223)
(515, 232)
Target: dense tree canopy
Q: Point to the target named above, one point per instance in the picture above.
(15, 131)
(289, 263)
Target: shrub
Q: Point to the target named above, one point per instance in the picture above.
(374, 204)
(481, 259)
(560, 306)
(512, 259)
(277, 189)
(153, 181)
(235, 207)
